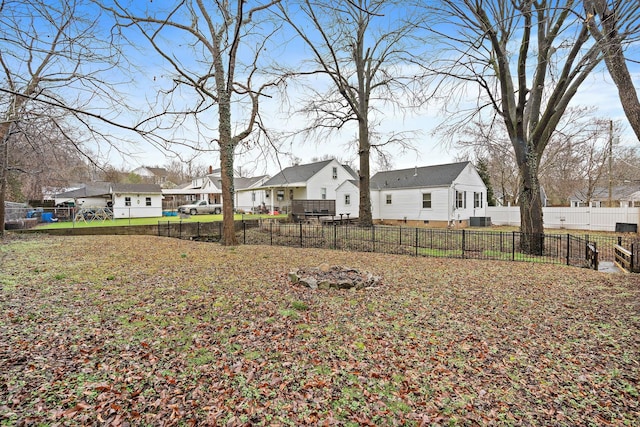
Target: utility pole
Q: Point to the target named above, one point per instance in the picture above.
(610, 162)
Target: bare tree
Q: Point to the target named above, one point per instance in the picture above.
(615, 24)
(53, 62)
(527, 60)
(574, 159)
(43, 156)
(361, 46)
(212, 49)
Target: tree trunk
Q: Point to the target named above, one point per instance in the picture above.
(615, 60)
(364, 215)
(531, 222)
(5, 131)
(227, 149)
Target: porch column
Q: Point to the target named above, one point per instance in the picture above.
(271, 197)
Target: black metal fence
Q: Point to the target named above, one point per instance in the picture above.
(559, 249)
(583, 251)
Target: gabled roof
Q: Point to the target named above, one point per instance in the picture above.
(618, 192)
(298, 173)
(242, 183)
(426, 176)
(155, 171)
(136, 188)
(95, 189)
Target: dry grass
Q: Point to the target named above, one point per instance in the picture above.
(158, 331)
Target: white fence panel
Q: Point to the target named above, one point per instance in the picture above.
(592, 219)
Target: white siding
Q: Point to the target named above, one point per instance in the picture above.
(594, 219)
(324, 179)
(138, 208)
(470, 182)
(347, 188)
(88, 202)
(250, 198)
(407, 203)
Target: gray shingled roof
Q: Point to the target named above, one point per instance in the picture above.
(427, 176)
(136, 188)
(89, 190)
(298, 173)
(240, 183)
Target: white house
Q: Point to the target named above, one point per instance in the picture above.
(124, 200)
(153, 175)
(313, 181)
(623, 196)
(348, 199)
(248, 196)
(440, 195)
(136, 200)
(96, 194)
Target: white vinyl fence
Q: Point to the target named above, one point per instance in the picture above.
(592, 219)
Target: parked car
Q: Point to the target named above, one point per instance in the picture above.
(200, 207)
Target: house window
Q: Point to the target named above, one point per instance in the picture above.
(461, 199)
(127, 201)
(148, 201)
(280, 195)
(253, 196)
(388, 199)
(323, 193)
(347, 199)
(335, 173)
(426, 200)
(477, 200)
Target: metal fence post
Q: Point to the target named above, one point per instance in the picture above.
(633, 256)
(513, 246)
(244, 232)
(568, 248)
(301, 235)
(373, 237)
(400, 235)
(416, 241)
(271, 232)
(335, 236)
(463, 240)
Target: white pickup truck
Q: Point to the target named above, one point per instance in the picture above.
(200, 207)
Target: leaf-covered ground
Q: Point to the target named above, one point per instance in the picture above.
(117, 330)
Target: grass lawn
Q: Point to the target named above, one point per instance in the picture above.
(148, 221)
(103, 330)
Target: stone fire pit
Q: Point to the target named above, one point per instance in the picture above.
(335, 276)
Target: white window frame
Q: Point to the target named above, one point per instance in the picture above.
(347, 199)
(429, 201)
(388, 199)
(477, 200)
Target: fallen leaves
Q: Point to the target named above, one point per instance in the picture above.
(135, 333)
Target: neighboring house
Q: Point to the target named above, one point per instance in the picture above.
(206, 187)
(92, 195)
(248, 196)
(152, 175)
(125, 200)
(348, 199)
(313, 181)
(440, 195)
(622, 196)
(136, 200)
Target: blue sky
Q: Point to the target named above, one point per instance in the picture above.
(597, 91)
